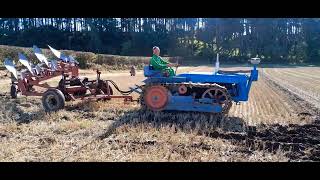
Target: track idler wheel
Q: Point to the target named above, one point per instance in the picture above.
(156, 97)
(220, 96)
(53, 100)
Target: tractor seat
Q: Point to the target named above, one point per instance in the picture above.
(150, 72)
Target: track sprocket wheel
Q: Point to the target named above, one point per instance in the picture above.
(156, 97)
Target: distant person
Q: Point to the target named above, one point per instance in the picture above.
(133, 71)
(159, 64)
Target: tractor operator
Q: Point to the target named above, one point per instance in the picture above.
(159, 64)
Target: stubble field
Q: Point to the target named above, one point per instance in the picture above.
(280, 122)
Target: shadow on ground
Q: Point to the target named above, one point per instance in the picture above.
(13, 109)
(299, 142)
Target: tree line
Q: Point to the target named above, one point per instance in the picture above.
(278, 40)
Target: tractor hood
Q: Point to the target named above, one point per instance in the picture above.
(204, 73)
(205, 77)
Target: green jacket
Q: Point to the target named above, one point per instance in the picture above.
(158, 63)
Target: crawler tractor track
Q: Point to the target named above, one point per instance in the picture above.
(198, 90)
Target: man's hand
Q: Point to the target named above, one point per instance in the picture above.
(173, 65)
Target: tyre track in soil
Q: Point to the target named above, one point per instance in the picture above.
(298, 142)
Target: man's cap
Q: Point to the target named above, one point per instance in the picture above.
(155, 47)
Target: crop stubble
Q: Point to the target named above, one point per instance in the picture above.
(140, 137)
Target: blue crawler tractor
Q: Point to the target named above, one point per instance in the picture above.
(212, 92)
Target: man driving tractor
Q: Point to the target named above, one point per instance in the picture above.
(159, 64)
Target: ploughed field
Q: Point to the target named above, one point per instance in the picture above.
(280, 122)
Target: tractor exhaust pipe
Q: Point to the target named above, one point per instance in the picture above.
(217, 64)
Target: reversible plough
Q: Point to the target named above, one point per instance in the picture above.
(70, 86)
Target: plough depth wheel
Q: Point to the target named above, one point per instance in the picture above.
(104, 88)
(13, 91)
(53, 100)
